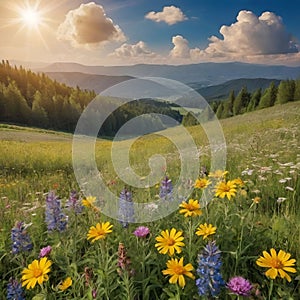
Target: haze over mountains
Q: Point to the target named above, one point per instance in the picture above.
(204, 74)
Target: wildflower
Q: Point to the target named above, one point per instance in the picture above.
(206, 230)
(166, 189)
(218, 174)
(20, 239)
(169, 241)
(99, 231)
(227, 189)
(281, 199)
(202, 183)
(256, 200)
(36, 272)
(55, 218)
(278, 264)
(45, 251)
(238, 181)
(141, 232)
(74, 203)
(14, 290)
(123, 261)
(239, 286)
(89, 201)
(126, 210)
(190, 209)
(210, 279)
(65, 284)
(177, 271)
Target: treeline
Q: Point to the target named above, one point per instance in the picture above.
(244, 101)
(31, 99)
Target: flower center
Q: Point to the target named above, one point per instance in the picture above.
(100, 232)
(37, 273)
(170, 242)
(179, 270)
(191, 207)
(276, 263)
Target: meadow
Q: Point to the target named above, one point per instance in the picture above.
(256, 211)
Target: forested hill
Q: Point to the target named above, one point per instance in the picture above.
(32, 99)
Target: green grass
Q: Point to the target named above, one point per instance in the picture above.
(34, 161)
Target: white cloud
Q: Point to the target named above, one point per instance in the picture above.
(252, 35)
(139, 49)
(88, 25)
(181, 47)
(170, 14)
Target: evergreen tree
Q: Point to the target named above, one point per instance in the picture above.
(39, 114)
(269, 97)
(241, 101)
(220, 109)
(254, 101)
(297, 90)
(286, 91)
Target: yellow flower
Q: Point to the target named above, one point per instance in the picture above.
(190, 209)
(218, 174)
(36, 272)
(206, 230)
(227, 189)
(99, 231)
(177, 271)
(277, 264)
(65, 284)
(238, 181)
(169, 241)
(89, 201)
(256, 200)
(201, 183)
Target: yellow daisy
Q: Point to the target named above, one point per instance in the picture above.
(65, 284)
(206, 230)
(202, 183)
(278, 264)
(218, 174)
(89, 201)
(36, 272)
(169, 241)
(190, 209)
(227, 189)
(177, 271)
(99, 231)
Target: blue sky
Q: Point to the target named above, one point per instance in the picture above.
(115, 32)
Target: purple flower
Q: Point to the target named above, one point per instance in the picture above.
(141, 232)
(126, 209)
(45, 251)
(54, 216)
(74, 203)
(239, 286)
(20, 238)
(14, 290)
(166, 188)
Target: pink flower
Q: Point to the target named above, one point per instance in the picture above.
(239, 286)
(45, 251)
(141, 232)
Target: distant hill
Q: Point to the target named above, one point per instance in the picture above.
(97, 83)
(221, 91)
(203, 73)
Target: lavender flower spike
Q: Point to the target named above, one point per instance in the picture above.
(210, 278)
(166, 189)
(20, 239)
(14, 290)
(74, 203)
(126, 210)
(54, 217)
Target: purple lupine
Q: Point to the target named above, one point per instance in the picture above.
(239, 286)
(20, 239)
(14, 290)
(126, 210)
(54, 217)
(141, 232)
(74, 203)
(45, 251)
(210, 278)
(166, 189)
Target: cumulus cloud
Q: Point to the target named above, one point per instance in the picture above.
(252, 35)
(170, 14)
(88, 25)
(138, 52)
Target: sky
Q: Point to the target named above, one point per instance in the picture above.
(126, 32)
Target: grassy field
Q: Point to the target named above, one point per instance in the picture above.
(263, 150)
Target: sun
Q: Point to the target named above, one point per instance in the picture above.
(31, 17)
